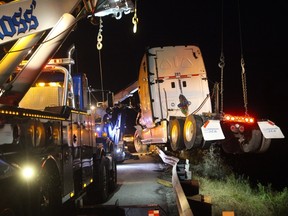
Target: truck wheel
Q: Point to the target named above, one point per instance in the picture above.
(231, 145)
(254, 143)
(176, 134)
(49, 195)
(99, 192)
(112, 175)
(139, 146)
(265, 144)
(192, 131)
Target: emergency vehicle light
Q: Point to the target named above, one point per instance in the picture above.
(242, 119)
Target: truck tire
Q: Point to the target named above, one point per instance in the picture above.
(98, 193)
(254, 143)
(192, 131)
(265, 144)
(112, 175)
(48, 198)
(176, 134)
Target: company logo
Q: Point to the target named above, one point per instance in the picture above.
(21, 22)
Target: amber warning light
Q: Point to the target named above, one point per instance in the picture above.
(243, 119)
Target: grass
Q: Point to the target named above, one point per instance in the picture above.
(229, 192)
(236, 195)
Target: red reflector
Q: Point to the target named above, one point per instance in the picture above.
(153, 213)
(205, 124)
(270, 122)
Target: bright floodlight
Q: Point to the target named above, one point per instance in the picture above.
(28, 172)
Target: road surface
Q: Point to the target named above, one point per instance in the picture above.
(143, 186)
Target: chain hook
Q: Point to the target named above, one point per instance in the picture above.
(99, 36)
(243, 65)
(221, 63)
(135, 19)
(244, 86)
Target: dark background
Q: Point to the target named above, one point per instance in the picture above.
(254, 29)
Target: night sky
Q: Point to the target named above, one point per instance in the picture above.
(259, 35)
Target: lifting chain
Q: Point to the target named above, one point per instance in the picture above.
(99, 36)
(243, 73)
(99, 47)
(244, 86)
(221, 64)
(135, 19)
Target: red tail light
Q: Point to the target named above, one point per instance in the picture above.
(237, 128)
(241, 129)
(240, 119)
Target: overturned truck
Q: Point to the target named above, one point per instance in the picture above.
(176, 107)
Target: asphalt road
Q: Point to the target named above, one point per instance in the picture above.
(143, 186)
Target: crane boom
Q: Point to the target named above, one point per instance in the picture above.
(21, 18)
(55, 20)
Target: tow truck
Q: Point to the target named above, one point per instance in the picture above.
(49, 154)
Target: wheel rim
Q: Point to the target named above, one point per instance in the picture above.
(176, 134)
(189, 131)
(192, 134)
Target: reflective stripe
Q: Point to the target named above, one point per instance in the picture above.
(178, 77)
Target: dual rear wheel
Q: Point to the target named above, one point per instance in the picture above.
(185, 133)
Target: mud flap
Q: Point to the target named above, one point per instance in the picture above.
(270, 130)
(212, 130)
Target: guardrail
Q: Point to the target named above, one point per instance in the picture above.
(182, 202)
(181, 199)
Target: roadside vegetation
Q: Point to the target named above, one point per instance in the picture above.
(231, 192)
